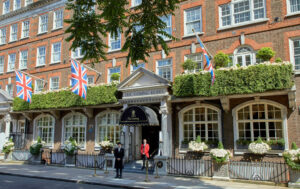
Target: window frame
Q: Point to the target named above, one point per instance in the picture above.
(22, 60)
(110, 40)
(169, 16)
(12, 89)
(289, 12)
(133, 4)
(251, 10)
(292, 53)
(78, 51)
(36, 86)
(36, 128)
(56, 53)
(187, 56)
(90, 76)
(2, 61)
(251, 53)
(265, 102)
(193, 106)
(132, 67)
(25, 30)
(51, 83)
(9, 62)
(28, 2)
(41, 24)
(109, 73)
(170, 66)
(15, 4)
(4, 10)
(185, 21)
(55, 20)
(3, 35)
(15, 33)
(38, 63)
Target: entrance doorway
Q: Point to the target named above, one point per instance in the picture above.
(152, 136)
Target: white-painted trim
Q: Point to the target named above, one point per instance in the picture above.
(51, 83)
(109, 41)
(37, 56)
(63, 128)
(184, 20)
(52, 51)
(22, 29)
(35, 127)
(202, 105)
(251, 53)
(54, 19)
(288, 7)
(291, 51)
(171, 67)
(263, 101)
(10, 36)
(40, 22)
(20, 58)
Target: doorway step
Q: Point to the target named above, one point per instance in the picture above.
(136, 167)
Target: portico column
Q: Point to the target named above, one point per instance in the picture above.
(166, 128)
(126, 137)
(7, 120)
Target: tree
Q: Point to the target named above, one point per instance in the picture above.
(87, 27)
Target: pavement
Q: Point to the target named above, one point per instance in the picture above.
(130, 180)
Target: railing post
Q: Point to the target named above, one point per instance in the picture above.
(147, 166)
(51, 156)
(95, 165)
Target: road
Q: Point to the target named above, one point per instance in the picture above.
(14, 182)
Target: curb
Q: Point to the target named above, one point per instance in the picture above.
(73, 181)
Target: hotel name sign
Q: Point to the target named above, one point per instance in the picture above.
(145, 92)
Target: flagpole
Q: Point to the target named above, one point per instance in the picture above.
(203, 43)
(30, 75)
(91, 69)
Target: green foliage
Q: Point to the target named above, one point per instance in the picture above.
(290, 162)
(265, 54)
(198, 139)
(221, 60)
(189, 65)
(243, 142)
(254, 79)
(62, 99)
(8, 146)
(259, 140)
(278, 60)
(294, 146)
(115, 77)
(35, 149)
(70, 147)
(279, 142)
(88, 27)
(220, 145)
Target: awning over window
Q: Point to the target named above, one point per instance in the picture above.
(139, 116)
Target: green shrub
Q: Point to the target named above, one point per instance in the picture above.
(253, 79)
(221, 60)
(115, 77)
(243, 142)
(189, 65)
(35, 149)
(278, 60)
(294, 146)
(265, 54)
(279, 142)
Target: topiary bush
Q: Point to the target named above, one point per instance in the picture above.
(115, 77)
(265, 54)
(221, 60)
(189, 65)
(278, 60)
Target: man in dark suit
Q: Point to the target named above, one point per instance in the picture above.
(119, 155)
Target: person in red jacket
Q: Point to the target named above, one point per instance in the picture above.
(145, 152)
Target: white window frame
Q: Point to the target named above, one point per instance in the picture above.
(11, 88)
(2, 64)
(3, 36)
(111, 40)
(5, 10)
(77, 54)
(266, 102)
(36, 88)
(112, 124)
(109, 73)
(21, 126)
(193, 106)
(25, 29)
(289, 12)
(41, 24)
(90, 77)
(134, 4)
(137, 67)
(252, 19)
(28, 2)
(292, 53)
(251, 53)
(36, 129)
(185, 21)
(164, 67)
(169, 16)
(51, 83)
(17, 4)
(56, 20)
(11, 68)
(53, 53)
(13, 32)
(186, 57)
(38, 56)
(23, 60)
(63, 139)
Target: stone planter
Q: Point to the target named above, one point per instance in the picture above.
(36, 159)
(109, 161)
(70, 160)
(242, 147)
(277, 147)
(294, 178)
(220, 171)
(8, 156)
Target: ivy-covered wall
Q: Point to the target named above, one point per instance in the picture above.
(64, 99)
(252, 79)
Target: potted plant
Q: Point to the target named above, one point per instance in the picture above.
(197, 146)
(221, 60)
(212, 143)
(70, 150)
(115, 77)
(277, 144)
(185, 143)
(220, 158)
(265, 54)
(242, 144)
(259, 147)
(292, 158)
(35, 149)
(189, 66)
(106, 145)
(8, 147)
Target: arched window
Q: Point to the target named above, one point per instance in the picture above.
(75, 127)
(244, 56)
(44, 128)
(260, 119)
(108, 126)
(200, 120)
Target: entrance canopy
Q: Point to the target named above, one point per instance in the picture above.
(139, 116)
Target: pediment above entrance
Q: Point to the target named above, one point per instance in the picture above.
(5, 102)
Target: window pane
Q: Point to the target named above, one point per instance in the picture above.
(193, 20)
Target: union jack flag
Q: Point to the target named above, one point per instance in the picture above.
(79, 79)
(24, 86)
(208, 64)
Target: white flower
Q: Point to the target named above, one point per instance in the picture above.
(221, 153)
(259, 148)
(106, 144)
(197, 146)
(294, 154)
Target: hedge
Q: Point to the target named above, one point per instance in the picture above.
(253, 79)
(104, 94)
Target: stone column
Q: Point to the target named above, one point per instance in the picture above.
(166, 128)
(7, 120)
(126, 138)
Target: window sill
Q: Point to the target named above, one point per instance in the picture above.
(185, 150)
(112, 51)
(243, 24)
(40, 66)
(42, 33)
(24, 38)
(292, 14)
(297, 72)
(2, 44)
(12, 41)
(245, 151)
(10, 71)
(53, 63)
(23, 68)
(55, 29)
(192, 35)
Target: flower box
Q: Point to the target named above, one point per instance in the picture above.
(70, 160)
(220, 171)
(277, 147)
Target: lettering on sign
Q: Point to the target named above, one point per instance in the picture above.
(144, 92)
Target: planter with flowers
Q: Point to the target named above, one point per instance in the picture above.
(220, 158)
(292, 158)
(259, 147)
(196, 148)
(70, 150)
(35, 150)
(7, 149)
(106, 146)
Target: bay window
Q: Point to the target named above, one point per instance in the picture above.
(44, 128)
